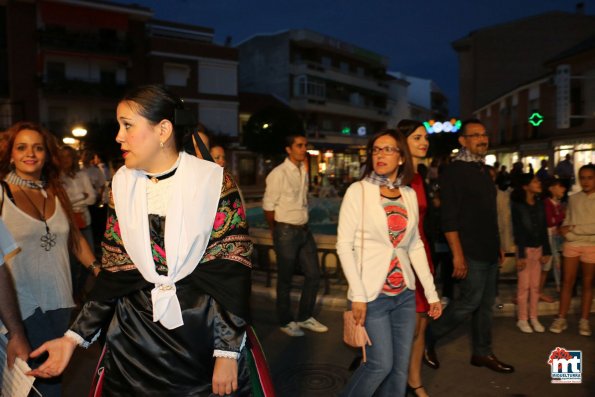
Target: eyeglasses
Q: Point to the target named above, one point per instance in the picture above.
(476, 136)
(386, 150)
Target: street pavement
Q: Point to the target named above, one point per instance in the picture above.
(316, 365)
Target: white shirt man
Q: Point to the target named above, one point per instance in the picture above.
(285, 206)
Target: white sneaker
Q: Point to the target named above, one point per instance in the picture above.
(524, 326)
(313, 325)
(292, 329)
(584, 328)
(537, 326)
(558, 325)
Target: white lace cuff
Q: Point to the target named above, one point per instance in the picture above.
(79, 339)
(226, 354)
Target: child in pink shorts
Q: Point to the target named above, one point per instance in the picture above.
(578, 230)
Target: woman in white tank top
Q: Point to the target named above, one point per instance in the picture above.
(36, 210)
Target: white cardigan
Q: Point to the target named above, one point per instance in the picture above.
(378, 249)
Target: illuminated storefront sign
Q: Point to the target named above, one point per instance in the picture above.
(536, 119)
(436, 127)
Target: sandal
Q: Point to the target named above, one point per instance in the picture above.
(412, 390)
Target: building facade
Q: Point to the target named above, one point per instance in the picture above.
(66, 63)
(549, 117)
(339, 90)
(497, 59)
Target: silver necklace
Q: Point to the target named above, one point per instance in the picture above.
(48, 240)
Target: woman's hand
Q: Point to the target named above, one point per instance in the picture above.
(225, 376)
(564, 230)
(60, 351)
(521, 263)
(359, 312)
(545, 259)
(435, 310)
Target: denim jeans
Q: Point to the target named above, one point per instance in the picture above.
(390, 323)
(293, 245)
(476, 299)
(42, 327)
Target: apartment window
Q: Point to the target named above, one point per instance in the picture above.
(327, 124)
(55, 71)
(356, 99)
(218, 77)
(344, 67)
(359, 71)
(306, 86)
(176, 75)
(326, 62)
(503, 120)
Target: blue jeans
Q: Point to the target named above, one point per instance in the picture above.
(476, 299)
(390, 323)
(293, 245)
(42, 327)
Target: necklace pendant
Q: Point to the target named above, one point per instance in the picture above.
(48, 241)
(154, 179)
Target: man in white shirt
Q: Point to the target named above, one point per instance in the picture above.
(285, 205)
(10, 315)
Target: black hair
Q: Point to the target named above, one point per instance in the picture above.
(587, 167)
(549, 182)
(467, 122)
(290, 139)
(156, 103)
(405, 171)
(519, 194)
(408, 127)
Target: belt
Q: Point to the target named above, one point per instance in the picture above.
(283, 224)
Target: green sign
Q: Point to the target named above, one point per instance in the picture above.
(536, 119)
(346, 131)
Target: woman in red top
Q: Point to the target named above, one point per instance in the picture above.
(417, 140)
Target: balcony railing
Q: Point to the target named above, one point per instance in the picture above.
(82, 88)
(84, 42)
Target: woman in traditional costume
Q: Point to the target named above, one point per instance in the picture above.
(172, 297)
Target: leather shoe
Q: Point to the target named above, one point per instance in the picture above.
(430, 358)
(492, 363)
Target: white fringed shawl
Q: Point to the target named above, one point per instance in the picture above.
(196, 189)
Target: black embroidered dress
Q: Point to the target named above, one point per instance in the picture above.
(143, 358)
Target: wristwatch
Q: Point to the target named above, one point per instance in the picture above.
(93, 266)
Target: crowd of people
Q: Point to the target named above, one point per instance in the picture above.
(158, 285)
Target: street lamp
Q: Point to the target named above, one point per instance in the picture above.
(79, 132)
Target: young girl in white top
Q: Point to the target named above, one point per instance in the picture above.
(578, 230)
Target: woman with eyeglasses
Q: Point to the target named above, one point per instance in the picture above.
(379, 246)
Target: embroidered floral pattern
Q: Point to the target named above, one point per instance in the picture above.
(235, 248)
(230, 216)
